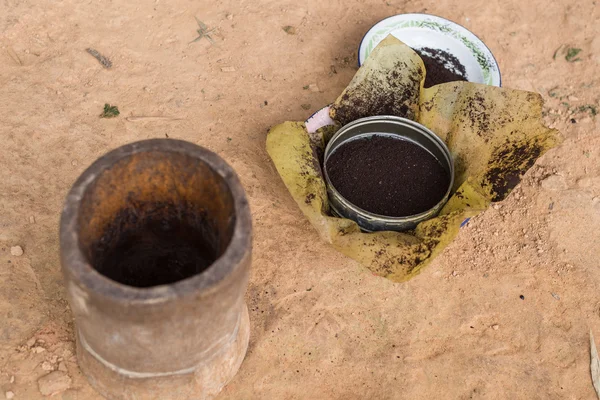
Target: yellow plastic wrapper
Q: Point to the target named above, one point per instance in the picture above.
(494, 134)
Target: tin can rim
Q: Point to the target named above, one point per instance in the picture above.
(340, 137)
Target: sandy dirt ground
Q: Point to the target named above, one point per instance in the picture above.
(504, 313)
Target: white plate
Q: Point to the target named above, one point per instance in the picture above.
(423, 30)
(318, 120)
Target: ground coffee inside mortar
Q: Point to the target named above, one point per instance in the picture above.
(387, 176)
(441, 67)
(144, 248)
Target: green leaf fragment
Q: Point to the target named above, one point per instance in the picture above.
(110, 111)
(572, 52)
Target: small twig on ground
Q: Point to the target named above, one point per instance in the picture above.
(150, 118)
(594, 365)
(203, 32)
(104, 61)
(14, 56)
(556, 52)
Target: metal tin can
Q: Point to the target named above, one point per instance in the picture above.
(401, 129)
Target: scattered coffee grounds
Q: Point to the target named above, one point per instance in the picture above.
(157, 249)
(441, 67)
(387, 176)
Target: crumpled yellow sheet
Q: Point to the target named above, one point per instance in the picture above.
(494, 134)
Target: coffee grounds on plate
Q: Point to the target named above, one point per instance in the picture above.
(441, 67)
(387, 176)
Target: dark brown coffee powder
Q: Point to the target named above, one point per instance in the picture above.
(155, 244)
(441, 67)
(387, 176)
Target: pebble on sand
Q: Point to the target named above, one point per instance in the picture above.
(9, 395)
(555, 182)
(290, 30)
(46, 366)
(53, 383)
(16, 251)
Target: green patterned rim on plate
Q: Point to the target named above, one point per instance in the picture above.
(415, 27)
